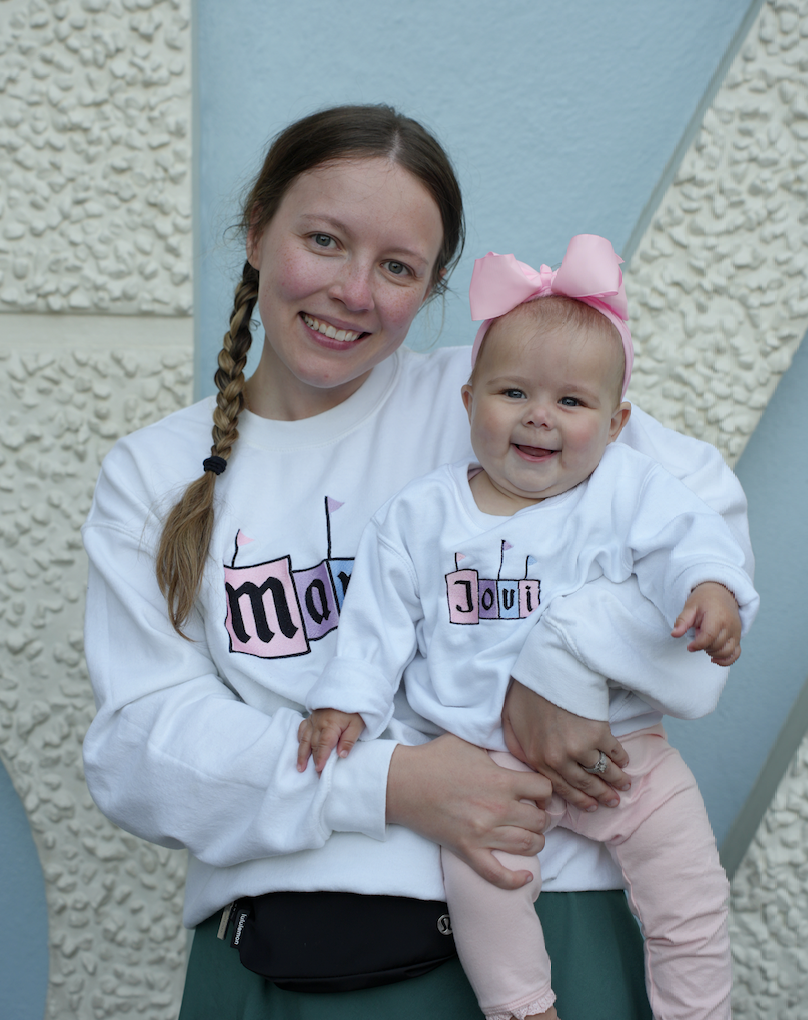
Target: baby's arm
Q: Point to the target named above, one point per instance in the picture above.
(711, 610)
(322, 731)
(674, 542)
(376, 640)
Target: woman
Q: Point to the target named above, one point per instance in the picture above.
(205, 629)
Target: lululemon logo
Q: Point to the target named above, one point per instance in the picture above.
(444, 925)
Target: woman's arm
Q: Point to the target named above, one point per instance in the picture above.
(452, 793)
(174, 754)
(700, 467)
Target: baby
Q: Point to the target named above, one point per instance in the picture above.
(461, 565)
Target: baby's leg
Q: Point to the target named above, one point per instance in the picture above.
(498, 935)
(662, 840)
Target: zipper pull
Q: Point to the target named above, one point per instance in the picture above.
(227, 916)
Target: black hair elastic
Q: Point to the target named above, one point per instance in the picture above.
(214, 464)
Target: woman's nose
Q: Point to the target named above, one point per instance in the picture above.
(353, 287)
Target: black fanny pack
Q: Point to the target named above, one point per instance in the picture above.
(336, 941)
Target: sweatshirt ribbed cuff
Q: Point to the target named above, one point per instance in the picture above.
(357, 800)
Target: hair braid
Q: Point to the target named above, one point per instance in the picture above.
(229, 377)
(186, 536)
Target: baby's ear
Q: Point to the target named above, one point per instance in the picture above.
(619, 420)
(467, 394)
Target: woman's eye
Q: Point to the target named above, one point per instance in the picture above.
(396, 268)
(323, 240)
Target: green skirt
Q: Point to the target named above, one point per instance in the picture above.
(593, 941)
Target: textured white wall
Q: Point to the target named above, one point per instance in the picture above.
(95, 340)
(95, 201)
(769, 919)
(718, 287)
(69, 387)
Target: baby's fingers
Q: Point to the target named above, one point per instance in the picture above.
(707, 639)
(685, 620)
(304, 749)
(323, 743)
(349, 736)
(728, 653)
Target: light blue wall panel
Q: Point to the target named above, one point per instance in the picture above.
(24, 928)
(727, 749)
(560, 118)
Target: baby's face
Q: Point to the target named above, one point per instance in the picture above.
(543, 406)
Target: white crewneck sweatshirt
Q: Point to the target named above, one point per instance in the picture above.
(194, 742)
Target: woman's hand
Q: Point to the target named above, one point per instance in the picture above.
(557, 744)
(452, 793)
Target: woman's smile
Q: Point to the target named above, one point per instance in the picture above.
(342, 334)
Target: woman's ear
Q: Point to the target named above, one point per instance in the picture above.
(254, 237)
(254, 249)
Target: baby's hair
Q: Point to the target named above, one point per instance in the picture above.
(343, 132)
(558, 312)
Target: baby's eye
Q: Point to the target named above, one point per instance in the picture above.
(569, 402)
(514, 394)
(323, 240)
(396, 268)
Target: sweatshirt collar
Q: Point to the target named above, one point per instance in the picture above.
(330, 426)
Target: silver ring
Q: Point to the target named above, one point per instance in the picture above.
(599, 767)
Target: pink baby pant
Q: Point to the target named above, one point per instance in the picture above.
(662, 841)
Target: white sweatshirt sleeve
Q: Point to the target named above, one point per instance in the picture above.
(700, 467)
(564, 657)
(676, 542)
(377, 636)
(563, 662)
(173, 754)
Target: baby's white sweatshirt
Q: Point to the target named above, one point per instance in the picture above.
(438, 580)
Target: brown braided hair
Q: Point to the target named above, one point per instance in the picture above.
(343, 132)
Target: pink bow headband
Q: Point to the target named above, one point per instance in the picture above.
(589, 272)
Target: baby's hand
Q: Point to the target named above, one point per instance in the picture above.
(325, 729)
(713, 612)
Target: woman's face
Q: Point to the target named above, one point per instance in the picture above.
(345, 264)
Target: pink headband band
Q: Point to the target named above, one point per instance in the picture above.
(589, 272)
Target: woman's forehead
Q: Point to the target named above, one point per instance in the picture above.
(354, 195)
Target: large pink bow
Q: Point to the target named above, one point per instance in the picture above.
(589, 272)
